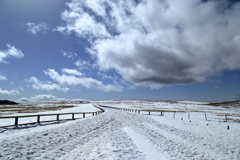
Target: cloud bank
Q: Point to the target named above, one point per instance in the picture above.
(45, 98)
(153, 43)
(8, 92)
(39, 85)
(70, 78)
(90, 83)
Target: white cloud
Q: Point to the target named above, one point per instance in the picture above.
(129, 86)
(46, 98)
(9, 92)
(68, 78)
(158, 43)
(11, 52)
(71, 80)
(35, 28)
(81, 64)
(82, 23)
(105, 76)
(24, 99)
(41, 98)
(3, 78)
(69, 54)
(71, 72)
(38, 85)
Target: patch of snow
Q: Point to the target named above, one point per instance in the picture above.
(144, 146)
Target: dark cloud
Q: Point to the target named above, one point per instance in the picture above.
(169, 80)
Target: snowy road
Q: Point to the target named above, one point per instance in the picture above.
(116, 135)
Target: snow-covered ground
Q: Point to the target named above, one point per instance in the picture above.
(117, 134)
(78, 108)
(196, 110)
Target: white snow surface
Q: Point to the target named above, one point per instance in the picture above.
(122, 135)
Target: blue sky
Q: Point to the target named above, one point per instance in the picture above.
(157, 50)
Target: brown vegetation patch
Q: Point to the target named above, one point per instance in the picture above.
(234, 120)
(224, 103)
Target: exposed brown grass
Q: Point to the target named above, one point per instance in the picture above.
(234, 120)
(224, 103)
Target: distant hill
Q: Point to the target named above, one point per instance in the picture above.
(7, 102)
(226, 104)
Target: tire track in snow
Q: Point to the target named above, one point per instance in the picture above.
(98, 137)
(55, 142)
(178, 143)
(112, 144)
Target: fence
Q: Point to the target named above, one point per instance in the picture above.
(161, 113)
(38, 117)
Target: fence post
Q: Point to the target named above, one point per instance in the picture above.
(138, 111)
(83, 115)
(188, 115)
(205, 116)
(57, 117)
(73, 116)
(149, 112)
(174, 114)
(226, 117)
(16, 121)
(93, 114)
(38, 119)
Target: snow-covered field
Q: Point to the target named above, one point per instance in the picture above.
(182, 109)
(117, 134)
